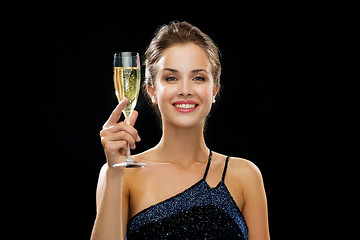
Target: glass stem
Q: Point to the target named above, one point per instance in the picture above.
(128, 154)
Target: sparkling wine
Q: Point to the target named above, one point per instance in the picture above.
(127, 84)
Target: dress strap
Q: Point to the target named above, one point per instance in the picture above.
(208, 165)
(225, 168)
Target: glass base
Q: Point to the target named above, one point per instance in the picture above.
(129, 164)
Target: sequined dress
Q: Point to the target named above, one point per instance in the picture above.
(199, 212)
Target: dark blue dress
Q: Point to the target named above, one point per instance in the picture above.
(199, 212)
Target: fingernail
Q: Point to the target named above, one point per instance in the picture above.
(138, 138)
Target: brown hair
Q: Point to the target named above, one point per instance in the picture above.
(175, 33)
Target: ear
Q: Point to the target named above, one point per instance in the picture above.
(152, 93)
(216, 90)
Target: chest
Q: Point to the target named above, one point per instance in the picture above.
(156, 184)
(199, 212)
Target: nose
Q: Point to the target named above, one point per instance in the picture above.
(185, 88)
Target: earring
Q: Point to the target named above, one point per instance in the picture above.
(153, 99)
(214, 100)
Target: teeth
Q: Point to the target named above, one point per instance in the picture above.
(185, 106)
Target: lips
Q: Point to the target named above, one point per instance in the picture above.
(185, 106)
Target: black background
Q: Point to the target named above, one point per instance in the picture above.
(273, 108)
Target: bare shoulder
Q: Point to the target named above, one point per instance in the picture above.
(244, 166)
(245, 171)
(136, 174)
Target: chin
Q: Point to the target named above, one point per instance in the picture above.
(185, 119)
(184, 123)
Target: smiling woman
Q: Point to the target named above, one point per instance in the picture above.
(186, 191)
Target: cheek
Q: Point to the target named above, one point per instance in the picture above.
(165, 93)
(205, 93)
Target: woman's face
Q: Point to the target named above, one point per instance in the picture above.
(184, 87)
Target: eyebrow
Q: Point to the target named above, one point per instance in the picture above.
(193, 71)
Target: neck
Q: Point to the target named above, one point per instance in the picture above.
(184, 145)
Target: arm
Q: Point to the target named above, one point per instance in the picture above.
(110, 218)
(255, 204)
(111, 200)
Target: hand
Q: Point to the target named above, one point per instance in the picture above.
(115, 137)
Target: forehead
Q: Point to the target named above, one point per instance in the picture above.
(184, 58)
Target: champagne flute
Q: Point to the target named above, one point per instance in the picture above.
(127, 77)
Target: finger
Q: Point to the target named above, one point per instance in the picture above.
(121, 137)
(121, 126)
(133, 117)
(116, 114)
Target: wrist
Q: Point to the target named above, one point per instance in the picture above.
(115, 173)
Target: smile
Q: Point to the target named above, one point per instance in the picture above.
(185, 106)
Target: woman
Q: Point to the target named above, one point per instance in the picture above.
(186, 191)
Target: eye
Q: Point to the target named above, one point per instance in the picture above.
(171, 79)
(198, 78)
